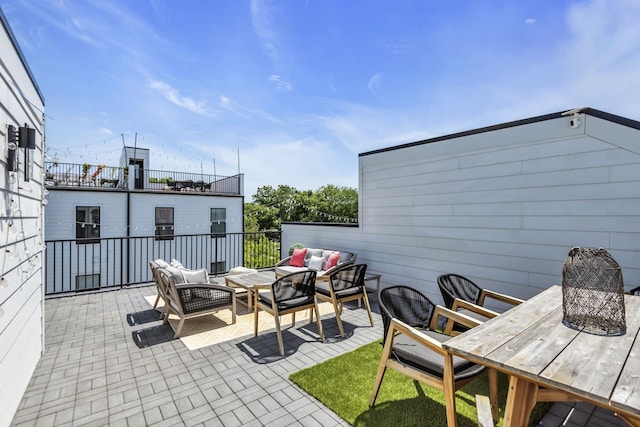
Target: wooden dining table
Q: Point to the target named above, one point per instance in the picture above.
(548, 361)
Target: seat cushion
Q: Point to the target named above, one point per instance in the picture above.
(420, 357)
(265, 297)
(283, 270)
(323, 288)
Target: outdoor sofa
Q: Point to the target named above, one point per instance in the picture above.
(323, 261)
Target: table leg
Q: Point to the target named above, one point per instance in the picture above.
(520, 402)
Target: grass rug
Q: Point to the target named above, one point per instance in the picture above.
(217, 328)
(344, 385)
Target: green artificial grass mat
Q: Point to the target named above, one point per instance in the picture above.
(344, 385)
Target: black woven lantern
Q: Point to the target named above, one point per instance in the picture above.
(593, 292)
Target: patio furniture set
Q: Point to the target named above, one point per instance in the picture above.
(191, 293)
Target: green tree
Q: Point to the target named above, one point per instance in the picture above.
(271, 206)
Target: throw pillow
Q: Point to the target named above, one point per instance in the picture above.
(161, 263)
(177, 264)
(195, 276)
(176, 273)
(333, 260)
(297, 257)
(315, 263)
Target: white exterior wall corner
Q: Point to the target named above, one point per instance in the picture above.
(502, 207)
(22, 300)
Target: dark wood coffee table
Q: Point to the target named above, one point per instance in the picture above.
(248, 281)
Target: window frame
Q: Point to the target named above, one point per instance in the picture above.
(218, 221)
(84, 234)
(164, 230)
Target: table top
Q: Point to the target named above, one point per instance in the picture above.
(250, 280)
(531, 342)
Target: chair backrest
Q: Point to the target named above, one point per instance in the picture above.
(454, 286)
(167, 281)
(405, 304)
(348, 276)
(294, 285)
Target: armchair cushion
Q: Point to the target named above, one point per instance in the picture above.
(297, 257)
(422, 358)
(286, 304)
(195, 276)
(161, 263)
(323, 288)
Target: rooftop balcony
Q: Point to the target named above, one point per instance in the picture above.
(73, 175)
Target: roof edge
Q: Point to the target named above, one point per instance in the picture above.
(590, 111)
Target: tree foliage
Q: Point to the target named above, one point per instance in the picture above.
(271, 206)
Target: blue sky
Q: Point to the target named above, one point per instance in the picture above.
(299, 88)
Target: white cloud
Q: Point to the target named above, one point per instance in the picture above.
(374, 84)
(530, 21)
(173, 96)
(106, 131)
(279, 83)
(262, 18)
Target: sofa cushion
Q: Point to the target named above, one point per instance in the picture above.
(315, 263)
(332, 261)
(297, 257)
(311, 252)
(177, 264)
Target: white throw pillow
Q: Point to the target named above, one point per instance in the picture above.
(177, 264)
(195, 276)
(315, 263)
(161, 263)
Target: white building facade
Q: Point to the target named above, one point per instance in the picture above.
(21, 227)
(502, 205)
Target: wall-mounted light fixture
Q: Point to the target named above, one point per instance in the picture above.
(574, 117)
(12, 138)
(23, 137)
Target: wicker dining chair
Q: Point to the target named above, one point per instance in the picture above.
(345, 284)
(413, 346)
(461, 294)
(287, 295)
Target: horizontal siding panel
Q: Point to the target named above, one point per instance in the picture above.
(547, 208)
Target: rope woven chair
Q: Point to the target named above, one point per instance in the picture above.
(344, 285)
(413, 346)
(288, 294)
(462, 295)
(188, 300)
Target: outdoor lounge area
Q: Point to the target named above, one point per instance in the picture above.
(109, 360)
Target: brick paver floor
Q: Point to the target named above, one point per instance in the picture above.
(110, 361)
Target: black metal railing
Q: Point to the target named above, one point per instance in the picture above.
(73, 266)
(86, 175)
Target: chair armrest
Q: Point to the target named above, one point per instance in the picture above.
(217, 287)
(284, 261)
(486, 293)
(458, 304)
(397, 325)
(454, 317)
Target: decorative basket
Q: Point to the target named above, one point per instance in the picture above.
(593, 292)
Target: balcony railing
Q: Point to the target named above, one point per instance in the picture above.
(73, 265)
(86, 175)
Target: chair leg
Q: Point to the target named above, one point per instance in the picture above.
(449, 391)
(337, 308)
(366, 304)
(279, 334)
(382, 367)
(179, 328)
(233, 310)
(155, 304)
(315, 307)
(293, 319)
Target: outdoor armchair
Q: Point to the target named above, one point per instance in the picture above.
(345, 284)
(195, 298)
(162, 295)
(287, 295)
(455, 286)
(413, 346)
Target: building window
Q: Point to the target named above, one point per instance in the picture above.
(87, 281)
(218, 220)
(164, 223)
(218, 267)
(88, 224)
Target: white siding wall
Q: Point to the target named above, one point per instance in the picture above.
(21, 296)
(501, 207)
